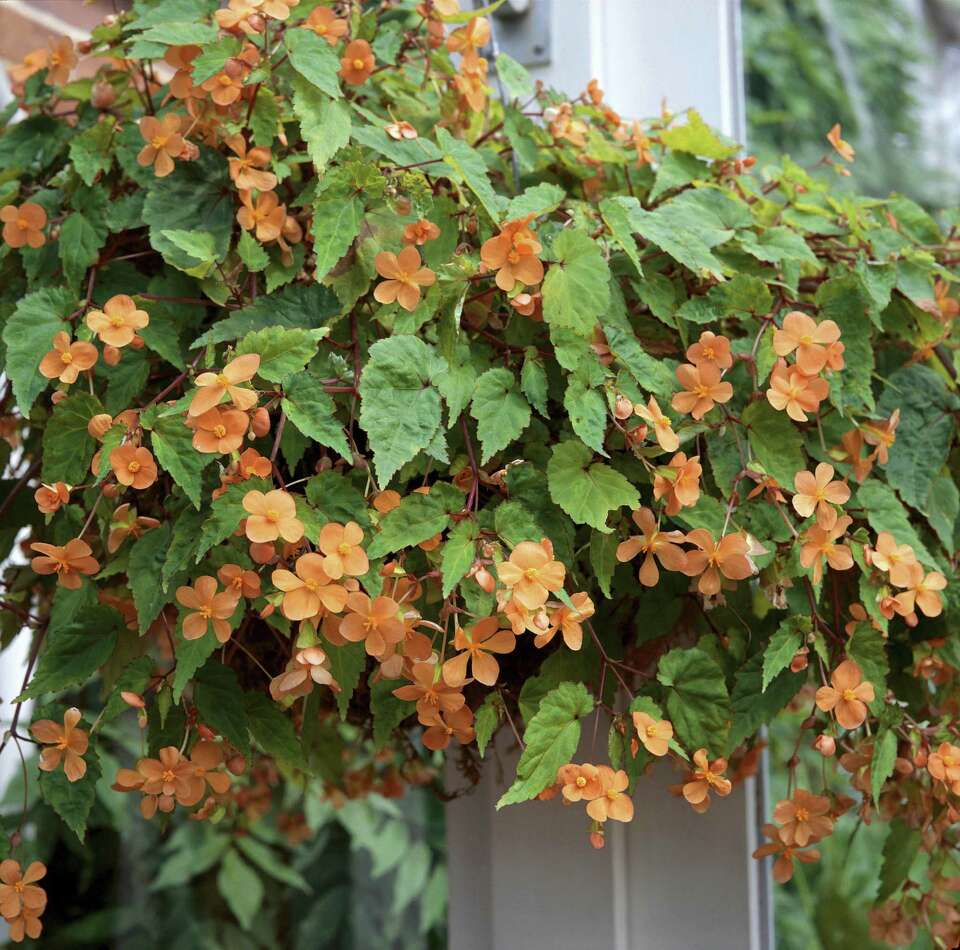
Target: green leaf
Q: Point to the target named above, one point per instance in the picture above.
(268, 862)
(925, 433)
(777, 246)
(90, 150)
(943, 507)
(752, 705)
(517, 82)
(399, 408)
(387, 711)
(417, 518)
(301, 306)
(134, 679)
(775, 442)
(67, 446)
(783, 645)
(265, 118)
(314, 59)
(74, 652)
(487, 719)
(282, 352)
(272, 731)
(72, 801)
(324, 122)
(587, 491)
(697, 138)
(183, 544)
(551, 739)
(603, 558)
(845, 300)
(147, 557)
(80, 243)
(537, 200)
(336, 224)
(213, 58)
(500, 410)
(191, 655)
(172, 444)
(28, 336)
(883, 762)
(346, 664)
(254, 257)
(240, 886)
(676, 170)
(617, 220)
(576, 290)
(458, 554)
(587, 410)
(313, 412)
(697, 699)
(866, 647)
(220, 703)
(533, 381)
(468, 168)
(899, 850)
(885, 512)
(680, 232)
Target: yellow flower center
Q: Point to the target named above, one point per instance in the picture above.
(343, 549)
(62, 743)
(222, 380)
(133, 466)
(358, 64)
(66, 357)
(206, 611)
(23, 224)
(581, 781)
(530, 574)
(651, 731)
(116, 320)
(802, 814)
(219, 431)
(225, 80)
(949, 761)
(701, 389)
(273, 515)
(159, 141)
(168, 775)
(311, 584)
(849, 695)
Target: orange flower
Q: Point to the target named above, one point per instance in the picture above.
(65, 743)
(307, 667)
(803, 819)
(241, 16)
(568, 621)
(226, 86)
(341, 545)
(31, 64)
(209, 608)
(252, 464)
(848, 695)
(655, 734)
(478, 642)
(712, 349)
(457, 724)
(612, 802)
(683, 490)
(728, 557)
(61, 61)
(702, 387)
(817, 491)
(126, 523)
(164, 143)
(922, 591)
(819, 544)
(430, 692)
(278, 9)
(668, 440)
(471, 82)
(49, 498)
(266, 216)
(181, 59)
(168, 779)
(405, 276)
(654, 543)
(272, 515)
(67, 562)
(242, 582)
(531, 573)
(419, 232)
(808, 338)
(783, 866)
(27, 924)
(706, 777)
(18, 889)
(895, 559)
(24, 225)
(214, 386)
(219, 430)
(944, 764)
(133, 466)
(882, 435)
(851, 453)
(308, 590)
(376, 622)
(67, 360)
(513, 254)
(246, 169)
(356, 64)
(324, 22)
(579, 783)
(470, 38)
(842, 148)
(796, 392)
(119, 320)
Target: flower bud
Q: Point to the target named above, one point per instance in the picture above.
(132, 699)
(596, 839)
(137, 343)
(267, 611)
(190, 152)
(111, 355)
(485, 580)
(99, 425)
(624, 408)
(58, 397)
(84, 47)
(262, 552)
(825, 745)
(142, 719)
(205, 732)
(237, 764)
(111, 490)
(260, 422)
(103, 95)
